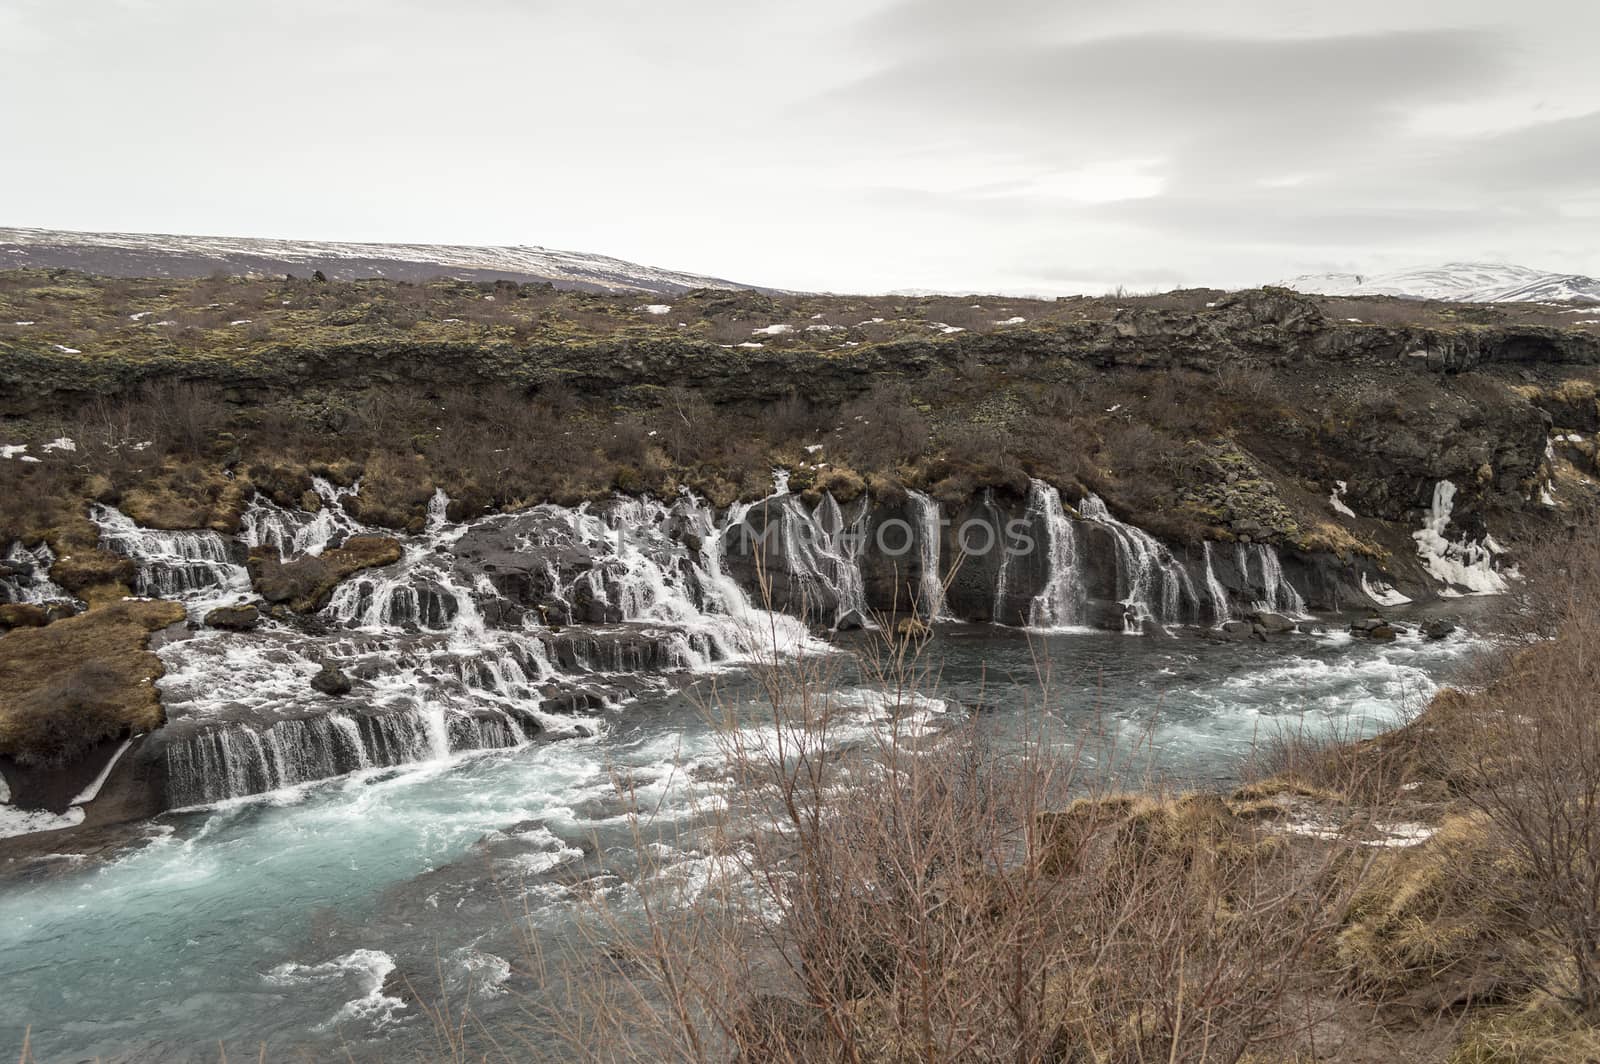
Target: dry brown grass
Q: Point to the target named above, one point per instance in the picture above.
(80, 680)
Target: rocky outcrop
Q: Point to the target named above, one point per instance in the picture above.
(331, 681)
(306, 584)
(1264, 323)
(234, 618)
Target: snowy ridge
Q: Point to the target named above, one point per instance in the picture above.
(1457, 282)
(161, 255)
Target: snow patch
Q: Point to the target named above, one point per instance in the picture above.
(1336, 500)
(1382, 593)
(655, 308)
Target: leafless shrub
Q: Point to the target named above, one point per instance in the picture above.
(883, 427)
(934, 896)
(185, 417)
(1534, 773)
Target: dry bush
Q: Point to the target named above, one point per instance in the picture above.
(183, 417)
(910, 895)
(1534, 775)
(1180, 402)
(794, 419)
(982, 445)
(883, 428)
(687, 423)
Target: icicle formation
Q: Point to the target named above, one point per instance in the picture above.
(1153, 585)
(1280, 595)
(1464, 567)
(931, 585)
(25, 576)
(1060, 603)
(171, 564)
(1220, 614)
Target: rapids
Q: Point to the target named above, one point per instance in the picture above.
(514, 676)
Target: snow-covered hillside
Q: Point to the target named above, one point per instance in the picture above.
(157, 255)
(1461, 282)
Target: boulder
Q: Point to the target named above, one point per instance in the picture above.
(1438, 628)
(59, 611)
(850, 621)
(331, 682)
(1235, 631)
(306, 584)
(234, 618)
(1383, 633)
(1274, 622)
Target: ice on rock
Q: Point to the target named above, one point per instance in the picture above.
(1463, 567)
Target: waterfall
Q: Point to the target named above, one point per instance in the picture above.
(299, 533)
(821, 549)
(25, 576)
(1279, 596)
(1214, 588)
(1060, 603)
(1153, 585)
(171, 564)
(931, 585)
(236, 760)
(1003, 570)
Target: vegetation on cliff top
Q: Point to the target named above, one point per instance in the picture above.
(1194, 414)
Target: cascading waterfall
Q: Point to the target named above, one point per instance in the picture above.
(237, 760)
(1219, 594)
(174, 565)
(823, 550)
(931, 584)
(1152, 584)
(1280, 595)
(26, 576)
(297, 533)
(1060, 603)
(438, 677)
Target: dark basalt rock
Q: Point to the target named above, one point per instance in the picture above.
(1236, 631)
(1273, 623)
(234, 618)
(850, 621)
(331, 682)
(1438, 628)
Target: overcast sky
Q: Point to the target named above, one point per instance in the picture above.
(1021, 145)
